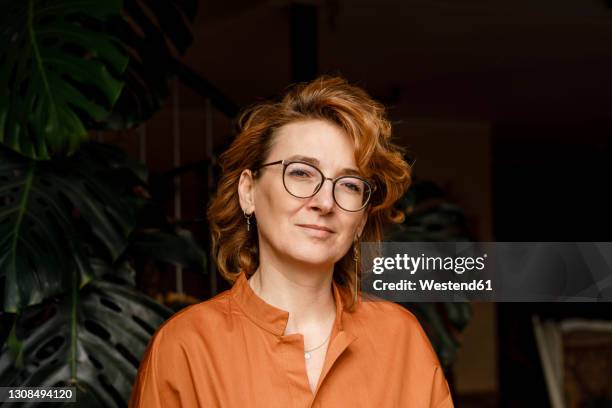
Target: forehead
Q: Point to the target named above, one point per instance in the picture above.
(322, 140)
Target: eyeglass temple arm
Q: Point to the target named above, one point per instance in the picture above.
(268, 164)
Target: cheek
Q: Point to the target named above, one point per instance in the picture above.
(275, 206)
(350, 224)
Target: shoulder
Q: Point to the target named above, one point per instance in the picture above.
(387, 313)
(194, 323)
(176, 353)
(395, 334)
(379, 318)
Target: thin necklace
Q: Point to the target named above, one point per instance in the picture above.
(307, 354)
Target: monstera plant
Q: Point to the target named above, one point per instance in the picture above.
(430, 217)
(76, 216)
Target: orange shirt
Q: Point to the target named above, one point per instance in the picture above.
(230, 351)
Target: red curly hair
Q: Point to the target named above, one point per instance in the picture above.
(328, 98)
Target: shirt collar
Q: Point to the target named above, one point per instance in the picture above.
(267, 316)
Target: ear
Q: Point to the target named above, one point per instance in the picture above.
(361, 225)
(246, 191)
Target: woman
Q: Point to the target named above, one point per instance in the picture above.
(306, 180)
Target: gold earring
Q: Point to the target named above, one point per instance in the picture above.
(248, 220)
(356, 259)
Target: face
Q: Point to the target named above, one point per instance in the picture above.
(282, 219)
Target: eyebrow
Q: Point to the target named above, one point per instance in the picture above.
(316, 162)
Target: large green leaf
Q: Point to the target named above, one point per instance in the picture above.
(93, 341)
(47, 208)
(154, 33)
(176, 248)
(56, 71)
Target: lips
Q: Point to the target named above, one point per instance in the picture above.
(316, 227)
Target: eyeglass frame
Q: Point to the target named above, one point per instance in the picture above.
(286, 163)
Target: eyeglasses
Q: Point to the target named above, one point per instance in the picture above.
(303, 180)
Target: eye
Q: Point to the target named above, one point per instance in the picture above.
(352, 186)
(299, 173)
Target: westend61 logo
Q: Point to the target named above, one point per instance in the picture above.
(413, 264)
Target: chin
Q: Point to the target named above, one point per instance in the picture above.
(315, 256)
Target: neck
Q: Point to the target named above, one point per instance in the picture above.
(306, 295)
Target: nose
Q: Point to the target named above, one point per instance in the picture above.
(324, 199)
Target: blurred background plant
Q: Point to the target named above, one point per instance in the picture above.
(430, 217)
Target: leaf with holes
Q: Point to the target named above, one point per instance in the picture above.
(47, 207)
(94, 343)
(57, 70)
